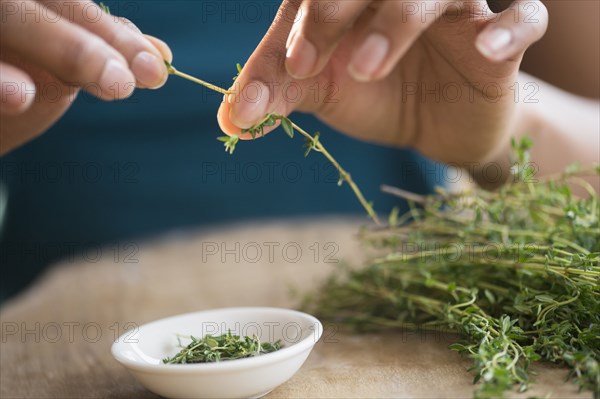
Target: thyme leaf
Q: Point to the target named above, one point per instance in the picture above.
(516, 272)
(219, 348)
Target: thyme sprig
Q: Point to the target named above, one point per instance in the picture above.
(516, 272)
(312, 142)
(218, 348)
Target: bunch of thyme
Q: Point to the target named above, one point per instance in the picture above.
(516, 272)
(223, 347)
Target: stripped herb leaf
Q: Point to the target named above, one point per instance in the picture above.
(229, 142)
(104, 8)
(218, 348)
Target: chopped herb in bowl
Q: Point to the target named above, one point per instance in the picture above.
(223, 347)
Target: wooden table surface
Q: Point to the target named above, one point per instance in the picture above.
(56, 336)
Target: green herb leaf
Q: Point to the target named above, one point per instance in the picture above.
(223, 347)
(104, 8)
(515, 272)
(229, 142)
(286, 124)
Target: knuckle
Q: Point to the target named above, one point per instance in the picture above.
(272, 56)
(287, 12)
(323, 36)
(323, 24)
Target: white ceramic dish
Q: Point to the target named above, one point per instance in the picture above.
(142, 351)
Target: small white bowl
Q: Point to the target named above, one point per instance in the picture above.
(141, 351)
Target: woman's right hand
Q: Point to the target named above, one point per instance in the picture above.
(438, 76)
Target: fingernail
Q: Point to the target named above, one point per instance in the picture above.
(17, 97)
(149, 70)
(490, 42)
(250, 106)
(116, 80)
(290, 38)
(30, 92)
(369, 57)
(301, 57)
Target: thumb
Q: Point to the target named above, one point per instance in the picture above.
(257, 91)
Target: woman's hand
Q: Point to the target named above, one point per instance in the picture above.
(50, 49)
(438, 76)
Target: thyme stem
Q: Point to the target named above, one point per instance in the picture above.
(318, 146)
(173, 71)
(343, 174)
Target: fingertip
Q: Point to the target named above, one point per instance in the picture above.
(18, 91)
(494, 43)
(224, 121)
(150, 70)
(158, 74)
(250, 105)
(147, 63)
(127, 22)
(301, 58)
(116, 82)
(162, 47)
(371, 59)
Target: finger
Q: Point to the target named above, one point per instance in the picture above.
(318, 28)
(224, 120)
(516, 28)
(256, 91)
(67, 51)
(17, 90)
(161, 46)
(145, 61)
(393, 29)
(52, 99)
(127, 23)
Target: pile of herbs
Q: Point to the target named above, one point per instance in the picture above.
(223, 347)
(515, 272)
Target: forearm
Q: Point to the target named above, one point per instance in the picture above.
(564, 128)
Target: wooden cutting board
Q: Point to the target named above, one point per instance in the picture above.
(56, 336)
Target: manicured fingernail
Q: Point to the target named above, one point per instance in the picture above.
(116, 80)
(149, 70)
(492, 41)
(249, 106)
(369, 57)
(301, 57)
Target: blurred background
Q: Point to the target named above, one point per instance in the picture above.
(130, 170)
